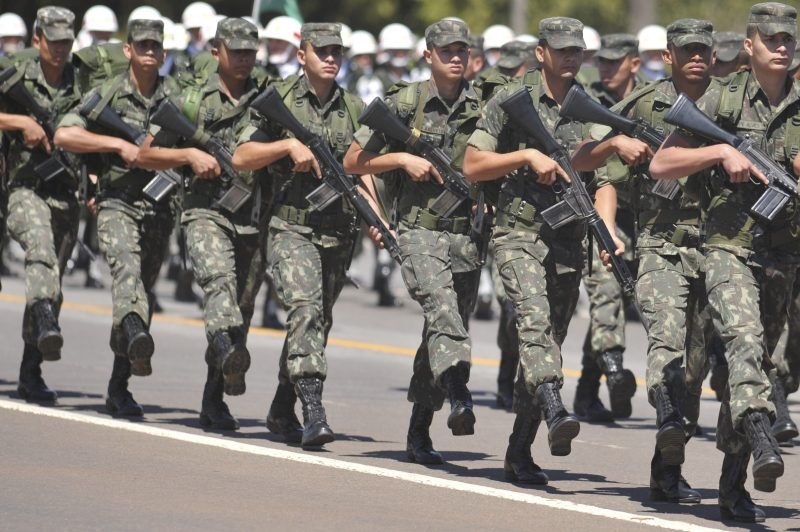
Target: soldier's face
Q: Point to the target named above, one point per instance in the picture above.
(53, 53)
(236, 64)
(562, 63)
(448, 63)
(691, 62)
(147, 54)
(323, 62)
(616, 74)
(770, 52)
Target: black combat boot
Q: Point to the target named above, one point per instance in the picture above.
(671, 435)
(734, 500)
(461, 420)
(784, 430)
(519, 465)
(138, 344)
(120, 402)
(668, 485)
(234, 359)
(215, 413)
(587, 404)
(48, 334)
(621, 383)
(419, 447)
(281, 418)
(505, 381)
(316, 431)
(31, 385)
(562, 426)
(767, 462)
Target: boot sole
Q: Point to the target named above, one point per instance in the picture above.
(433, 460)
(50, 398)
(462, 424)
(727, 515)
(764, 476)
(512, 476)
(50, 346)
(623, 392)
(323, 436)
(289, 436)
(785, 433)
(671, 443)
(234, 367)
(207, 422)
(112, 409)
(657, 495)
(560, 435)
(140, 351)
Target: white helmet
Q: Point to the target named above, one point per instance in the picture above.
(592, 39)
(209, 28)
(652, 37)
(396, 36)
(496, 36)
(527, 38)
(172, 39)
(196, 14)
(363, 43)
(100, 18)
(12, 25)
(144, 13)
(347, 36)
(284, 28)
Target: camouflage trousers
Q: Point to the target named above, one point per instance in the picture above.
(734, 298)
(780, 296)
(228, 264)
(671, 292)
(46, 228)
(544, 292)
(308, 279)
(432, 269)
(507, 337)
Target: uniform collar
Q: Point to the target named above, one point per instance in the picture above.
(304, 88)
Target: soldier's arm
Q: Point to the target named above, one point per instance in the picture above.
(204, 165)
(253, 155)
(592, 154)
(358, 160)
(32, 132)
(483, 165)
(368, 189)
(75, 139)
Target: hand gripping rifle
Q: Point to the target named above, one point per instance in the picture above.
(685, 114)
(55, 165)
(165, 181)
(575, 203)
(270, 105)
(456, 189)
(235, 191)
(580, 106)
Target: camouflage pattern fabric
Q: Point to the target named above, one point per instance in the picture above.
(788, 361)
(507, 337)
(780, 296)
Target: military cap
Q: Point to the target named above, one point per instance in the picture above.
(321, 34)
(617, 45)
(237, 34)
(143, 30)
(514, 53)
(728, 44)
(773, 17)
(476, 41)
(446, 31)
(56, 23)
(562, 32)
(690, 30)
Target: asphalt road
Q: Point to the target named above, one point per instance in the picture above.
(73, 467)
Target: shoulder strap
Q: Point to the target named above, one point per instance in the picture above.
(732, 97)
(422, 97)
(352, 109)
(107, 90)
(792, 139)
(191, 103)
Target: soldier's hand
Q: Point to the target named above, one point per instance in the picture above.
(91, 206)
(739, 168)
(129, 153)
(303, 159)
(547, 170)
(205, 166)
(634, 152)
(606, 257)
(33, 135)
(375, 236)
(419, 169)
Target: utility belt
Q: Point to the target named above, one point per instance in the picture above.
(129, 195)
(56, 188)
(520, 213)
(314, 219)
(425, 219)
(662, 224)
(786, 236)
(678, 236)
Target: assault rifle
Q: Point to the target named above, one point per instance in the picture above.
(165, 181)
(270, 105)
(235, 191)
(575, 203)
(580, 106)
(55, 166)
(685, 114)
(456, 189)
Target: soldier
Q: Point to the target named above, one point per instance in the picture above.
(308, 251)
(730, 54)
(440, 261)
(42, 215)
(764, 104)
(133, 232)
(225, 247)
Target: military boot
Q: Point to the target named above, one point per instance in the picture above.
(671, 435)
(587, 404)
(48, 334)
(734, 500)
(214, 413)
(281, 418)
(519, 465)
(562, 426)
(767, 462)
(120, 401)
(784, 430)
(233, 358)
(31, 385)
(138, 344)
(419, 447)
(461, 420)
(505, 381)
(668, 485)
(316, 431)
(621, 383)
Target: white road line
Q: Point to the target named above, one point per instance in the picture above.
(307, 458)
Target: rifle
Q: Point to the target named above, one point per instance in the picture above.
(575, 203)
(236, 192)
(580, 106)
(165, 181)
(685, 114)
(270, 105)
(55, 166)
(378, 117)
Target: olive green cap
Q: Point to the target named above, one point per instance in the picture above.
(562, 32)
(143, 30)
(690, 30)
(727, 45)
(321, 34)
(56, 23)
(774, 17)
(445, 32)
(514, 53)
(617, 45)
(237, 34)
